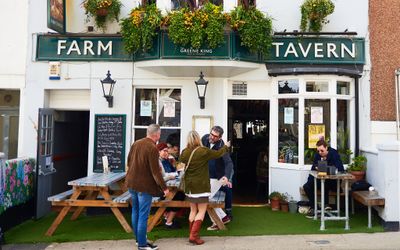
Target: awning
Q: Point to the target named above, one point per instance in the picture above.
(278, 69)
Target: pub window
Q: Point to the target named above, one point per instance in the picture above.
(343, 130)
(288, 87)
(317, 86)
(342, 88)
(317, 125)
(288, 133)
(9, 122)
(177, 4)
(161, 106)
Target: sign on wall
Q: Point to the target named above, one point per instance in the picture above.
(56, 15)
(109, 140)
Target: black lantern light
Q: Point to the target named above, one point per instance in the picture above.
(201, 86)
(108, 87)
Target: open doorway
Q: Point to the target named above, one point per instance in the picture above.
(71, 140)
(248, 130)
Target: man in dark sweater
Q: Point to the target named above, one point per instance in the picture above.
(221, 167)
(332, 157)
(144, 180)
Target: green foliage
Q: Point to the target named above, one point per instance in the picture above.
(342, 145)
(254, 28)
(314, 13)
(102, 11)
(358, 164)
(197, 28)
(140, 28)
(275, 196)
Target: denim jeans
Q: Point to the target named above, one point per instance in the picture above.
(141, 204)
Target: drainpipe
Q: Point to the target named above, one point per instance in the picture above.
(357, 146)
(397, 87)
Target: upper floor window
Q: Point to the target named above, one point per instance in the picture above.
(247, 3)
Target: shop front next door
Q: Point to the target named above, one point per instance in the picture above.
(248, 130)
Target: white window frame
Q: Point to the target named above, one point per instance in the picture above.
(302, 96)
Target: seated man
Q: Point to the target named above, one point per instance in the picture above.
(168, 172)
(331, 156)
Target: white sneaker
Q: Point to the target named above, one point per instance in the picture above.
(213, 227)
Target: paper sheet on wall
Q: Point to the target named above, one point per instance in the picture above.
(145, 108)
(317, 114)
(315, 132)
(288, 115)
(169, 109)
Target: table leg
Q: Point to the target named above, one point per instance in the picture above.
(369, 217)
(216, 219)
(62, 215)
(151, 223)
(57, 221)
(120, 217)
(338, 197)
(346, 193)
(315, 199)
(322, 204)
(91, 195)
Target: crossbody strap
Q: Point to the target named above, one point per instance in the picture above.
(190, 158)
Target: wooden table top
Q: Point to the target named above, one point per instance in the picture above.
(98, 179)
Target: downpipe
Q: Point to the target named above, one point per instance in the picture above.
(397, 88)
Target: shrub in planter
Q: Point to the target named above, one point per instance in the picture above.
(254, 28)
(140, 28)
(275, 198)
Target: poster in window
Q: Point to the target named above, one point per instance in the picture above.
(237, 126)
(56, 15)
(288, 115)
(315, 133)
(169, 109)
(317, 115)
(145, 108)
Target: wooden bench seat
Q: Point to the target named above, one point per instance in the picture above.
(123, 198)
(368, 199)
(61, 196)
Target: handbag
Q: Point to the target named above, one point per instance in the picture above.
(182, 183)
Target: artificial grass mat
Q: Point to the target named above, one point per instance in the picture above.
(247, 221)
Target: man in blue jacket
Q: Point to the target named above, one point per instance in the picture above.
(331, 156)
(221, 167)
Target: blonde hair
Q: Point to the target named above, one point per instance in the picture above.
(193, 140)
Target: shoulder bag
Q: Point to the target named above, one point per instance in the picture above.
(182, 183)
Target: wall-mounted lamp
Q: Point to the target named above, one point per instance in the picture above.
(108, 86)
(201, 86)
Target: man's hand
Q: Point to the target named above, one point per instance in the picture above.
(225, 182)
(166, 192)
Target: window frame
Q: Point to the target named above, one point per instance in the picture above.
(302, 96)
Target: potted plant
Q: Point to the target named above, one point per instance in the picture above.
(358, 167)
(139, 29)
(284, 202)
(314, 13)
(254, 28)
(274, 199)
(102, 11)
(198, 27)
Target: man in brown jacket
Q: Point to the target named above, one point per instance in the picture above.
(144, 180)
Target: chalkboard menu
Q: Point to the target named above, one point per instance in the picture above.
(109, 140)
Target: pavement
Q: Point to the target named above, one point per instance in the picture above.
(387, 240)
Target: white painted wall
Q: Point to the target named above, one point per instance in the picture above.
(383, 173)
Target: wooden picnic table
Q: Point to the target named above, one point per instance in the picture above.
(85, 192)
(168, 202)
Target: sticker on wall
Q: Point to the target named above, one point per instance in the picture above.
(145, 108)
(54, 70)
(317, 115)
(288, 115)
(169, 109)
(237, 126)
(315, 133)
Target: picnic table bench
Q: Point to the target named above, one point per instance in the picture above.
(368, 199)
(84, 194)
(218, 201)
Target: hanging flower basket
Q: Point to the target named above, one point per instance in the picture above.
(102, 11)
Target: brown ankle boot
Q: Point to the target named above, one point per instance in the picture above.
(194, 233)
